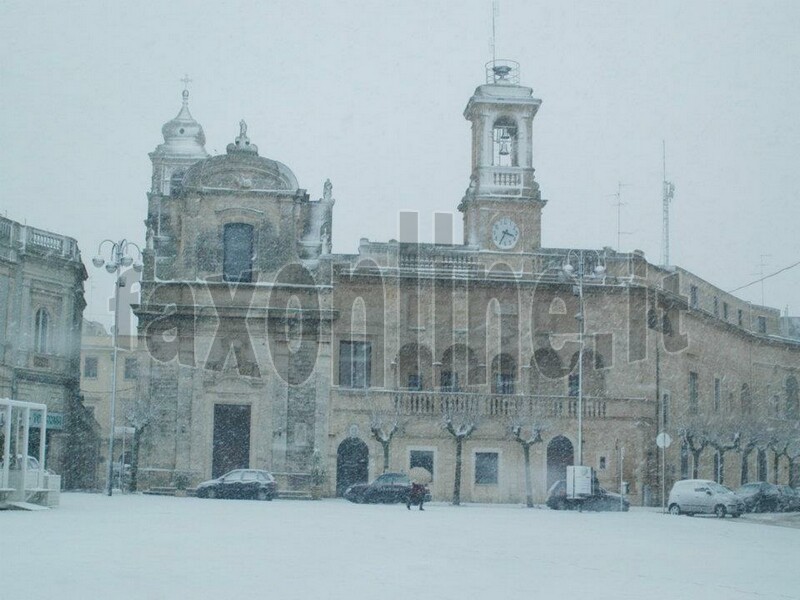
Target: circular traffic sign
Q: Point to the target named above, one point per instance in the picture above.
(663, 440)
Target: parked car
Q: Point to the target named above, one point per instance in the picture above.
(789, 499)
(599, 500)
(703, 496)
(388, 488)
(760, 496)
(240, 483)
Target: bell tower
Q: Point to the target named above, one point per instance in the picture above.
(502, 206)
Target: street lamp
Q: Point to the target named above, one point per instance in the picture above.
(119, 256)
(579, 274)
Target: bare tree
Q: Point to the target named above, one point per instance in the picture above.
(695, 435)
(383, 430)
(527, 437)
(753, 437)
(723, 435)
(460, 432)
(784, 440)
(139, 416)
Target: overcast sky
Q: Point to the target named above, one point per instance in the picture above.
(371, 94)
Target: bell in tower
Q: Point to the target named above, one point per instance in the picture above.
(502, 184)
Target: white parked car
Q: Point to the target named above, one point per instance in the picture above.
(703, 496)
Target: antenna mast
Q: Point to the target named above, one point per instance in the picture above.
(619, 204)
(495, 11)
(668, 194)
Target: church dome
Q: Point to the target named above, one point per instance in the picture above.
(183, 136)
(240, 169)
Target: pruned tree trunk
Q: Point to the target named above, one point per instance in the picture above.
(526, 444)
(745, 465)
(526, 449)
(385, 446)
(696, 463)
(137, 439)
(384, 437)
(462, 433)
(457, 485)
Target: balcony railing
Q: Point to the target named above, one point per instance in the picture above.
(37, 241)
(505, 179)
(437, 260)
(505, 406)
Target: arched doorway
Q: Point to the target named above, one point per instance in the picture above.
(559, 456)
(352, 461)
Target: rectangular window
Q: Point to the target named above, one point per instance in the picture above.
(131, 368)
(422, 459)
(414, 381)
(666, 408)
(717, 394)
(504, 383)
(716, 306)
(486, 468)
(725, 310)
(693, 393)
(90, 367)
(355, 364)
(237, 259)
(762, 324)
(602, 465)
(572, 385)
(693, 301)
(449, 380)
(741, 317)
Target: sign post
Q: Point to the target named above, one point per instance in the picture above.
(663, 440)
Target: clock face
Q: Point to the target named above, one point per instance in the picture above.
(505, 233)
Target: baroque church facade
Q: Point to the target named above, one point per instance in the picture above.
(262, 349)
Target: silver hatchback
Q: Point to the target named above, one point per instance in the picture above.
(703, 496)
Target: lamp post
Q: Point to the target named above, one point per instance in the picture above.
(119, 256)
(579, 274)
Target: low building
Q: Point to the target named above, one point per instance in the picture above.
(97, 360)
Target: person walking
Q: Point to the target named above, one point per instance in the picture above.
(416, 496)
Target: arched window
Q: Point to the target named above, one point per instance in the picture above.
(747, 400)
(237, 262)
(504, 374)
(504, 143)
(175, 181)
(41, 340)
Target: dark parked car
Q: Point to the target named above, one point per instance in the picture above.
(760, 496)
(241, 483)
(388, 488)
(600, 500)
(789, 499)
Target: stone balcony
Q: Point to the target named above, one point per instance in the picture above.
(37, 241)
(507, 181)
(436, 404)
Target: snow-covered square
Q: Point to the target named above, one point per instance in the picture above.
(144, 547)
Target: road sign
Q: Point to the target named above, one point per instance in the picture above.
(663, 440)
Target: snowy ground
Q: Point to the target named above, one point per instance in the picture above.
(148, 547)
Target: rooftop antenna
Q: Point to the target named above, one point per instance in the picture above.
(668, 193)
(761, 264)
(495, 12)
(619, 204)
